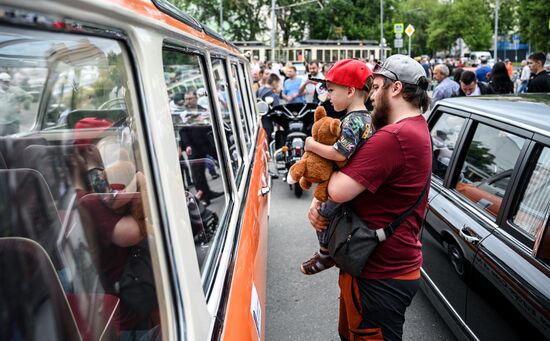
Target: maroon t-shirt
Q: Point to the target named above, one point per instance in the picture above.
(394, 166)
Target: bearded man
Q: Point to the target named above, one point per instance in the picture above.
(382, 180)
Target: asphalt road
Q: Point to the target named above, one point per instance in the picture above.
(303, 307)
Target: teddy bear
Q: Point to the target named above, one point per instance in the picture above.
(313, 168)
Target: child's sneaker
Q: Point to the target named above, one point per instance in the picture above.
(316, 264)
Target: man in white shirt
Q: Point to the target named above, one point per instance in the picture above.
(308, 87)
(524, 77)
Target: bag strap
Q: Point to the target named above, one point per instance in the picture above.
(386, 232)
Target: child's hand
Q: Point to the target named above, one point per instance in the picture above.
(318, 222)
(309, 143)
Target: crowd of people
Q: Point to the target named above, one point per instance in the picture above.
(448, 78)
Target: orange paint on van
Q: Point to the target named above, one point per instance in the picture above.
(251, 259)
(148, 9)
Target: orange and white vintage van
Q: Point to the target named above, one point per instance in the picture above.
(134, 187)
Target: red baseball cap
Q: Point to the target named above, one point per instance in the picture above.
(96, 126)
(349, 72)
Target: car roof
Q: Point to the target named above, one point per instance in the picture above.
(531, 111)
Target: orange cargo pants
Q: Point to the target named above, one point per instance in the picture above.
(374, 309)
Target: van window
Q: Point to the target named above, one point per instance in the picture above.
(444, 134)
(488, 167)
(534, 207)
(73, 188)
(201, 161)
(241, 106)
(224, 102)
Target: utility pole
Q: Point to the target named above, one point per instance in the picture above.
(273, 30)
(382, 54)
(497, 5)
(221, 17)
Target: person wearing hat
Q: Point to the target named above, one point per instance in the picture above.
(348, 83)
(14, 101)
(383, 179)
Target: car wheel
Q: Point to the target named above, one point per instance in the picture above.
(456, 257)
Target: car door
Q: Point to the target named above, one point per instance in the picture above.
(509, 296)
(466, 211)
(442, 271)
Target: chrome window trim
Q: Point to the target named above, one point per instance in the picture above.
(527, 127)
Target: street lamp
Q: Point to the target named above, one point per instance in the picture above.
(382, 54)
(497, 5)
(274, 24)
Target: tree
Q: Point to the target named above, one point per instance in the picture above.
(352, 19)
(533, 18)
(468, 19)
(237, 16)
(418, 13)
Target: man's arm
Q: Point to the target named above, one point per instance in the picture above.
(323, 150)
(342, 188)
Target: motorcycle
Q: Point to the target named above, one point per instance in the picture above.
(294, 122)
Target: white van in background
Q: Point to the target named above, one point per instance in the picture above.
(475, 56)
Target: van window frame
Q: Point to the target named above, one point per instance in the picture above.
(211, 264)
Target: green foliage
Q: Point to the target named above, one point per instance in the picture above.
(468, 19)
(419, 14)
(237, 15)
(533, 18)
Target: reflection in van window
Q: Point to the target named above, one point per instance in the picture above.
(76, 224)
(534, 208)
(224, 102)
(241, 106)
(198, 153)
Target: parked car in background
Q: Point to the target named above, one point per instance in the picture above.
(486, 237)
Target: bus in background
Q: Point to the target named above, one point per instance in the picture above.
(133, 176)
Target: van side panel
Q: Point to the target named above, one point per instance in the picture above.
(249, 275)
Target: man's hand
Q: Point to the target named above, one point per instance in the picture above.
(318, 222)
(189, 151)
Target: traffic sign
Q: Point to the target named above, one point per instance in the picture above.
(409, 30)
(398, 27)
(398, 43)
(398, 35)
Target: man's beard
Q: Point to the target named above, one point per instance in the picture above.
(381, 112)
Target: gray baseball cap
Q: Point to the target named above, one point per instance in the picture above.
(404, 69)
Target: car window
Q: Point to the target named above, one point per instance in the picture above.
(444, 134)
(198, 154)
(534, 207)
(76, 223)
(490, 159)
(224, 102)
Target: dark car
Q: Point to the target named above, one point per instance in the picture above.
(486, 237)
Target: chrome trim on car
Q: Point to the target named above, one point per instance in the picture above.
(448, 305)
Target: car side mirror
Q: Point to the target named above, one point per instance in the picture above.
(262, 107)
(541, 250)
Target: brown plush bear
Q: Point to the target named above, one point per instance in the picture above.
(313, 168)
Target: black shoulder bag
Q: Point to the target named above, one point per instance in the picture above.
(137, 283)
(352, 242)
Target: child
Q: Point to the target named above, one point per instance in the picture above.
(348, 83)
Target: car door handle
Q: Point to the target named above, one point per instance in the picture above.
(264, 191)
(468, 235)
